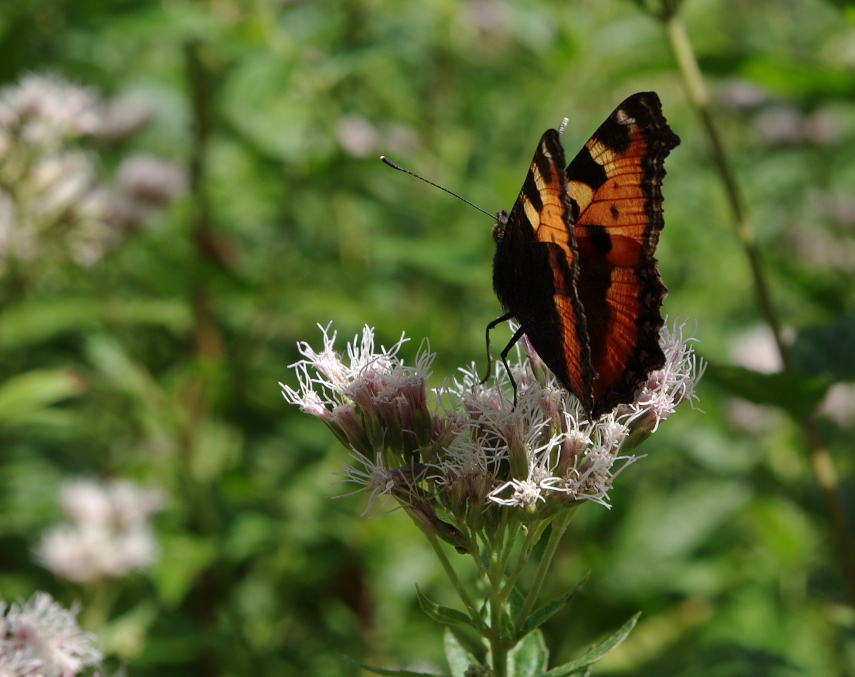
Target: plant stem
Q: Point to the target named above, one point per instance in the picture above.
(699, 96)
(498, 647)
(455, 580)
(821, 461)
(559, 525)
(509, 530)
(531, 539)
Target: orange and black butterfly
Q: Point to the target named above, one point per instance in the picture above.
(574, 259)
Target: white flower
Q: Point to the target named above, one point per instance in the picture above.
(674, 383)
(477, 451)
(52, 201)
(526, 493)
(39, 638)
(375, 478)
(47, 110)
(108, 535)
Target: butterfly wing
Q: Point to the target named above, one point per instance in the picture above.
(615, 188)
(536, 270)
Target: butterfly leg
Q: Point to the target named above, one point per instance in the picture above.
(493, 324)
(504, 355)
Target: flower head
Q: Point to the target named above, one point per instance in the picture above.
(473, 452)
(108, 534)
(53, 200)
(39, 638)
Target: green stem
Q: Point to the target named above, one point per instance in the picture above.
(498, 647)
(509, 529)
(479, 561)
(455, 580)
(699, 96)
(559, 525)
(531, 539)
(821, 461)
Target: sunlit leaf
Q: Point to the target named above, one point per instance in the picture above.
(24, 397)
(530, 656)
(597, 653)
(459, 659)
(442, 614)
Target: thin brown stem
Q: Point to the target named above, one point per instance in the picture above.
(699, 96)
(821, 461)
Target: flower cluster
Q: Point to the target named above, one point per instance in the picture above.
(51, 198)
(108, 534)
(39, 638)
(472, 453)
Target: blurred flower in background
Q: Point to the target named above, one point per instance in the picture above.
(52, 199)
(39, 638)
(108, 534)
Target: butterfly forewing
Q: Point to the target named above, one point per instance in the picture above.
(535, 270)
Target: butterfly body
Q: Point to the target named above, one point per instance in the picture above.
(574, 260)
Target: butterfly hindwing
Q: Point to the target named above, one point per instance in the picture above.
(615, 185)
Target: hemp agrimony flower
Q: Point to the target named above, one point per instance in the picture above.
(53, 202)
(469, 466)
(107, 534)
(39, 638)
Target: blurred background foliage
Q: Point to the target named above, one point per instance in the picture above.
(159, 362)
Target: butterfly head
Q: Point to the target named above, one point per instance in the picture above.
(499, 227)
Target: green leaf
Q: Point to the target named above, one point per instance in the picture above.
(38, 322)
(797, 394)
(443, 614)
(24, 397)
(507, 631)
(596, 653)
(515, 602)
(34, 323)
(459, 659)
(540, 615)
(792, 77)
(827, 349)
(530, 657)
(392, 673)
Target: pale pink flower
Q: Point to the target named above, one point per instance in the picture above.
(474, 448)
(39, 638)
(108, 534)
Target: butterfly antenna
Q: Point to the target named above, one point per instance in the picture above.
(401, 169)
(563, 125)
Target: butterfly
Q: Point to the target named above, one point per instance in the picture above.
(574, 262)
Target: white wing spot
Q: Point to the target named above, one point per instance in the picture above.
(623, 118)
